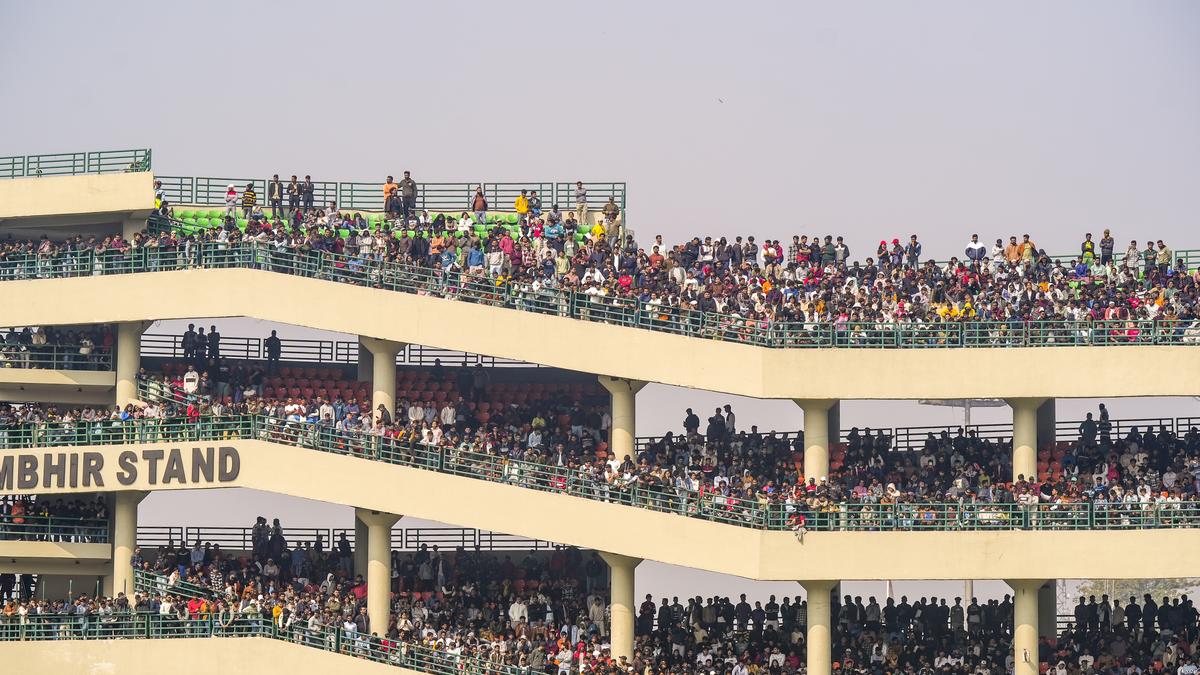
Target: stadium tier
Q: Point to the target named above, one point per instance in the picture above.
(467, 304)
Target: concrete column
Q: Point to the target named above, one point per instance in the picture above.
(834, 422)
(131, 226)
(1047, 424)
(816, 436)
(1025, 418)
(622, 440)
(383, 372)
(379, 566)
(1048, 607)
(124, 538)
(621, 604)
(1025, 625)
(129, 360)
(366, 364)
(819, 640)
(360, 546)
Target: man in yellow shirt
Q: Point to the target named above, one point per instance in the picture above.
(521, 206)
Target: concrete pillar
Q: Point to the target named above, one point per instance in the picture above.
(129, 360)
(131, 226)
(834, 422)
(124, 539)
(1048, 607)
(1025, 625)
(379, 566)
(383, 372)
(816, 436)
(360, 547)
(1025, 418)
(621, 603)
(1047, 424)
(622, 440)
(819, 640)
(366, 363)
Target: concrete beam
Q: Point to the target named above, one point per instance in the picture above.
(650, 356)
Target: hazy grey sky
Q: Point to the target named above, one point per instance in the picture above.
(868, 119)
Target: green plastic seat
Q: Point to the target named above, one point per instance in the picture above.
(184, 214)
(200, 222)
(512, 219)
(216, 214)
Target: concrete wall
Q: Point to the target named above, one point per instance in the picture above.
(604, 349)
(79, 387)
(690, 542)
(90, 198)
(44, 557)
(153, 657)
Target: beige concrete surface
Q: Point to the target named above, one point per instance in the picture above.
(60, 386)
(672, 539)
(46, 557)
(153, 657)
(52, 200)
(644, 355)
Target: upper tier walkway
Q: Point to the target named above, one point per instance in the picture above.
(587, 338)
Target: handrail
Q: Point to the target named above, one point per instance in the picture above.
(368, 196)
(23, 527)
(336, 352)
(402, 539)
(475, 288)
(758, 513)
(210, 624)
(75, 163)
(56, 357)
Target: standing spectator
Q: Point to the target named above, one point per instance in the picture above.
(274, 348)
(1164, 258)
(976, 252)
(521, 206)
(294, 194)
(231, 201)
(275, 196)
(1087, 250)
(912, 252)
(1106, 248)
(249, 201)
(479, 206)
(581, 202)
(306, 192)
(612, 212)
(408, 195)
(214, 343)
(188, 342)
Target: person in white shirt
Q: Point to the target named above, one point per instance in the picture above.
(191, 380)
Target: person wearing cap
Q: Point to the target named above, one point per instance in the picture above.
(249, 201)
(231, 201)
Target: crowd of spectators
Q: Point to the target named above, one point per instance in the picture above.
(547, 444)
(811, 280)
(58, 348)
(53, 519)
(547, 612)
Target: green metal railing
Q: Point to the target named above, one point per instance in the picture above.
(761, 513)
(53, 528)
(75, 163)
(368, 196)
(145, 581)
(627, 312)
(142, 625)
(55, 357)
